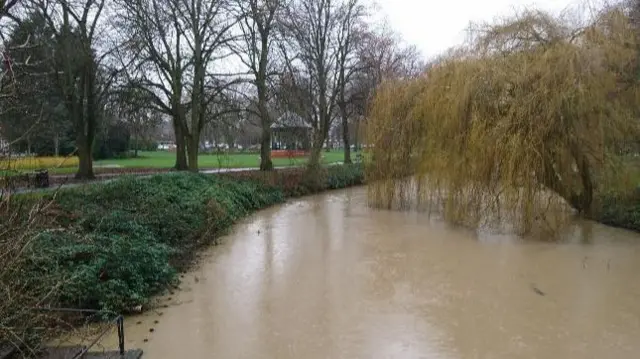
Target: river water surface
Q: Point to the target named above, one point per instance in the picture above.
(328, 277)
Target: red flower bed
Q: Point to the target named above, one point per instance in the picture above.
(288, 153)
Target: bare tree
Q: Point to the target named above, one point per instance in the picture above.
(349, 30)
(384, 56)
(131, 105)
(210, 39)
(176, 44)
(74, 24)
(311, 59)
(381, 56)
(258, 25)
(160, 63)
(7, 7)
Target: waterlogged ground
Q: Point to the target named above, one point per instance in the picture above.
(327, 277)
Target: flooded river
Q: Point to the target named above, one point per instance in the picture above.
(327, 277)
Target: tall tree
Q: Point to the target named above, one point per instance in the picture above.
(26, 51)
(350, 28)
(258, 25)
(176, 44)
(382, 56)
(160, 64)
(132, 106)
(311, 59)
(76, 63)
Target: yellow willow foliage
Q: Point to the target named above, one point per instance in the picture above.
(524, 121)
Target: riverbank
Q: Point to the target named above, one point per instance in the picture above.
(113, 246)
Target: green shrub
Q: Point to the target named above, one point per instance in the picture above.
(121, 242)
(344, 176)
(619, 211)
(107, 270)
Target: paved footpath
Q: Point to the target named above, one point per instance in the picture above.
(107, 177)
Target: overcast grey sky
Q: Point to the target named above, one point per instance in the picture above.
(436, 25)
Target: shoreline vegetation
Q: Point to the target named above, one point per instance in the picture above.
(486, 134)
(113, 246)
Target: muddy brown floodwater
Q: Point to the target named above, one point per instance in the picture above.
(327, 277)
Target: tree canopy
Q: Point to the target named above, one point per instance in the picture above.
(531, 106)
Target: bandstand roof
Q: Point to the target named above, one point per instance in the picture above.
(290, 120)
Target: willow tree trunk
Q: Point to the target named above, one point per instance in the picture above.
(581, 200)
(584, 201)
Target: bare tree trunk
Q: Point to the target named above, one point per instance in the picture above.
(85, 160)
(181, 151)
(56, 144)
(265, 120)
(86, 119)
(135, 146)
(313, 166)
(345, 136)
(265, 150)
(193, 142)
(315, 156)
(356, 132)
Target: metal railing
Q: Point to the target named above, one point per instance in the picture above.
(118, 321)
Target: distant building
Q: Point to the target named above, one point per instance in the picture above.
(166, 146)
(290, 132)
(4, 146)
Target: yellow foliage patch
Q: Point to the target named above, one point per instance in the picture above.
(33, 163)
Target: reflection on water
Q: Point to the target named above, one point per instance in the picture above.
(327, 277)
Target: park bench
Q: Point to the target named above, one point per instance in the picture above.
(35, 179)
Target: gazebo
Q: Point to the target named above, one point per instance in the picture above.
(290, 136)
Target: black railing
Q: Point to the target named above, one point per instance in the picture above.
(118, 321)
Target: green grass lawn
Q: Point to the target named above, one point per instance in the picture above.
(163, 159)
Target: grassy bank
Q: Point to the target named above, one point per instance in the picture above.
(114, 245)
(154, 160)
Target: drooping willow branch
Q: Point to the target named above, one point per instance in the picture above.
(507, 123)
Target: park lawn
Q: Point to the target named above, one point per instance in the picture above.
(163, 159)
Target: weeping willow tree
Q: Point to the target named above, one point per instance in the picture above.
(526, 119)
